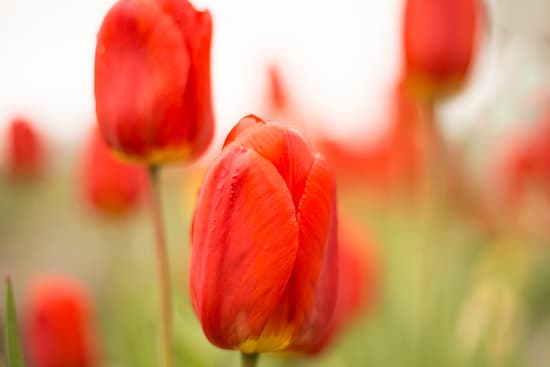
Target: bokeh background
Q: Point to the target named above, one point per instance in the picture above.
(449, 287)
(339, 59)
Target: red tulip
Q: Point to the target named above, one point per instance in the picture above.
(264, 249)
(439, 41)
(111, 186)
(357, 283)
(59, 324)
(152, 80)
(25, 150)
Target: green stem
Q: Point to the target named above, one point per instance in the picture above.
(438, 155)
(165, 300)
(435, 190)
(249, 360)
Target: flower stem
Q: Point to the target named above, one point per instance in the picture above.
(249, 360)
(165, 336)
(435, 192)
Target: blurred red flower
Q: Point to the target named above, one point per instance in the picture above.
(152, 80)
(111, 186)
(25, 151)
(439, 40)
(264, 247)
(278, 102)
(524, 164)
(393, 161)
(58, 324)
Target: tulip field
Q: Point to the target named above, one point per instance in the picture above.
(153, 242)
(460, 299)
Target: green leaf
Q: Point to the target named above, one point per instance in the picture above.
(13, 346)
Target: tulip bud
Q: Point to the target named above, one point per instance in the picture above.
(58, 324)
(439, 40)
(152, 80)
(264, 247)
(25, 150)
(111, 186)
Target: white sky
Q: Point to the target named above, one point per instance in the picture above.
(340, 56)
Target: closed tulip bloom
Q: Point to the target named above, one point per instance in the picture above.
(24, 153)
(58, 324)
(152, 80)
(110, 186)
(439, 41)
(264, 267)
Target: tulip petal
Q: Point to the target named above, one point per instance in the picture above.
(141, 72)
(286, 149)
(196, 29)
(244, 124)
(244, 243)
(325, 292)
(311, 291)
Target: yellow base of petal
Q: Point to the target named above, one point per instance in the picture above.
(268, 342)
(428, 90)
(155, 158)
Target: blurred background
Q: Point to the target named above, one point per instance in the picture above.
(339, 59)
(456, 269)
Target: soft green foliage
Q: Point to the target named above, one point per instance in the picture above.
(451, 296)
(13, 344)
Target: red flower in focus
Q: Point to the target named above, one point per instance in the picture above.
(358, 281)
(264, 252)
(111, 186)
(24, 150)
(58, 324)
(439, 41)
(152, 80)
